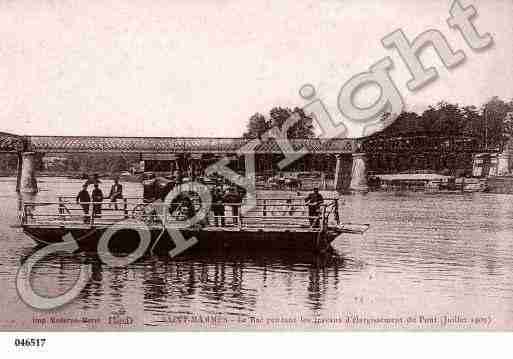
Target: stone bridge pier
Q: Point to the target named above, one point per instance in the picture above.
(26, 168)
(26, 181)
(26, 178)
(351, 173)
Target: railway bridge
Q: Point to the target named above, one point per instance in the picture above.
(347, 160)
(338, 156)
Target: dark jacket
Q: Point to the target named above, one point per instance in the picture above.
(83, 196)
(232, 197)
(97, 195)
(315, 199)
(116, 191)
(217, 196)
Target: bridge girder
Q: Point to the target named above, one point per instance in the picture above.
(10, 143)
(170, 145)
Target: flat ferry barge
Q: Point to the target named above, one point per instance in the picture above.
(269, 224)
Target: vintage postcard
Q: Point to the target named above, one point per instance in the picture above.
(256, 165)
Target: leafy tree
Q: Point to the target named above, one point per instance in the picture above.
(257, 125)
(508, 128)
(278, 116)
(406, 123)
(443, 119)
(495, 114)
(303, 128)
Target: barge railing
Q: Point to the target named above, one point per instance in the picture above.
(285, 213)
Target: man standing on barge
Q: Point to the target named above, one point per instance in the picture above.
(234, 199)
(218, 205)
(97, 197)
(83, 198)
(116, 192)
(314, 201)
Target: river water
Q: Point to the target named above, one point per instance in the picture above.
(428, 261)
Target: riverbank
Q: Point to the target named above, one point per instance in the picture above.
(500, 184)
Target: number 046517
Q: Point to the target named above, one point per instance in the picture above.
(29, 342)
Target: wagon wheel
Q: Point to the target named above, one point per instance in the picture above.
(139, 212)
(179, 212)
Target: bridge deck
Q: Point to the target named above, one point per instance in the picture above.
(77, 144)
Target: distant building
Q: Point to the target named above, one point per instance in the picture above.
(53, 163)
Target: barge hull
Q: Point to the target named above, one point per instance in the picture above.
(128, 240)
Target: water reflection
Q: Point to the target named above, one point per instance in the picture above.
(231, 286)
(221, 284)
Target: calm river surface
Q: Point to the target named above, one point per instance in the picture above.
(425, 259)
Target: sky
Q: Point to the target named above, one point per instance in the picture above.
(203, 67)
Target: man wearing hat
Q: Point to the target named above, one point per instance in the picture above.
(218, 205)
(116, 192)
(83, 198)
(314, 201)
(97, 197)
(233, 197)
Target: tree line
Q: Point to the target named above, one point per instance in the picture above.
(491, 124)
